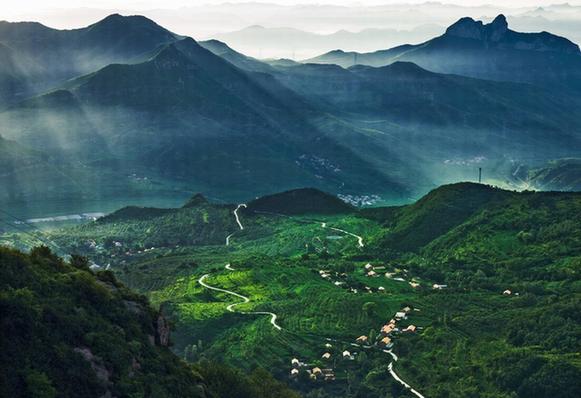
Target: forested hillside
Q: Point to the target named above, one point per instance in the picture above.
(489, 279)
(69, 332)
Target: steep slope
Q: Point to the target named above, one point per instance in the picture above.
(46, 56)
(240, 60)
(12, 81)
(300, 201)
(414, 226)
(74, 334)
(489, 51)
(186, 110)
(558, 175)
(448, 112)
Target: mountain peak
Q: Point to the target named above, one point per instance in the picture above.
(469, 28)
(196, 200)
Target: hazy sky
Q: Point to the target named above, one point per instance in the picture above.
(19, 6)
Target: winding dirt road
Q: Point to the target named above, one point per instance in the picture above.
(359, 238)
(236, 215)
(245, 300)
(273, 316)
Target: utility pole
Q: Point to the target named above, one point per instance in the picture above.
(480, 175)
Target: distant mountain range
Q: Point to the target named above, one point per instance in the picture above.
(295, 43)
(44, 57)
(157, 112)
(487, 51)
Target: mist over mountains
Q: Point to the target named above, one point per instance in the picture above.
(125, 105)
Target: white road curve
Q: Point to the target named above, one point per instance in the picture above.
(403, 383)
(359, 238)
(228, 239)
(236, 215)
(245, 299)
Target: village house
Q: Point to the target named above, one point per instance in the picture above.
(436, 286)
(295, 363)
(407, 309)
(381, 289)
(372, 274)
(328, 345)
(387, 329)
(294, 373)
(361, 339)
(317, 371)
(410, 329)
(347, 355)
(400, 315)
(385, 342)
(368, 267)
(326, 355)
(507, 292)
(415, 285)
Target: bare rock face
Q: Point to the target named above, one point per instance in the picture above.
(96, 363)
(162, 331)
(497, 29)
(498, 35)
(466, 28)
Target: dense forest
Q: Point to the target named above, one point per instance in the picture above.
(489, 280)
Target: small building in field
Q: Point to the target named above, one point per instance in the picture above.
(361, 339)
(381, 289)
(328, 345)
(400, 315)
(507, 292)
(368, 267)
(372, 274)
(437, 286)
(415, 285)
(407, 310)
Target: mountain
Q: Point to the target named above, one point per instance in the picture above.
(557, 175)
(47, 56)
(12, 81)
(184, 111)
(437, 213)
(75, 332)
(240, 60)
(300, 201)
(488, 51)
(498, 259)
(446, 111)
(286, 42)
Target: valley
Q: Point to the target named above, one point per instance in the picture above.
(286, 287)
(179, 219)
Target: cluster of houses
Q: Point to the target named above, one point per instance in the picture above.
(315, 373)
(339, 280)
(396, 276)
(387, 331)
